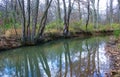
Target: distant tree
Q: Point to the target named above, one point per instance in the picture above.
(94, 14)
(88, 10)
(111, 12)
(97, 20)
(79, 8)
(59, 11)
(119, 11)
(6, 11)
(107, 12)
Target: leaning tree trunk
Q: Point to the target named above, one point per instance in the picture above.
(43, 20)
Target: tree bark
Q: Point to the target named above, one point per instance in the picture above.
(21, 4)
(65, 31)
(111, 12)
(43, 20)
(13, 6)
(28, 21)
(94, 15)
(119, 11)
(97, 14)
(34, 20)
(79, 10)
(107, 13)
(88, 9)
(67, 17)
(59, 12)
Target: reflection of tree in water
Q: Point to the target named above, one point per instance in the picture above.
(28, 64)
(68, 59)
(84, 66)
(85, 63)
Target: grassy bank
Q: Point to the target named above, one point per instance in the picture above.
(54, 31)
(12, 42)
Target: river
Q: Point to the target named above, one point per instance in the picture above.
(61, 58)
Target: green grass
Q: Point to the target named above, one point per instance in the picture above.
(117, 33)
(54, 26)
(78, 26)
(57, 26)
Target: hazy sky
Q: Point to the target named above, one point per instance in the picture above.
(103, 4)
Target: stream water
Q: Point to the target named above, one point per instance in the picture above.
(62, 58)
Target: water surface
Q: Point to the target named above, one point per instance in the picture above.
(62, 58)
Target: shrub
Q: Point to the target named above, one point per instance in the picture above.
(75, 24)
(55, 25)
(117, 33)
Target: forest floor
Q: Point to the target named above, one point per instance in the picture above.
(113, 51)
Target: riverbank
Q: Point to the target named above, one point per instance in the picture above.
(113, 51)
(11, 42)
(7, 43)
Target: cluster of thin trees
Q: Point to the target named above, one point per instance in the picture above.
(33, 15)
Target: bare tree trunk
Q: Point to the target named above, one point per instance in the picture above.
(65, 31)
(43, 26)
(23, 22)
(21, 4)
(59, 19)
(28, 21)
(13, 6)
(119, 11)
(88, 9)
(67, 17)
(34, 20)
(5, 15)
(69, 12)
(95, 17)
(94, 14)
(97, 14)
(59, 12)
(107, 13)
(6, 11)
(43, 20)
(79, 10)
(111, 12)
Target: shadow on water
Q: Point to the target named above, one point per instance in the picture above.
(63, 58)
